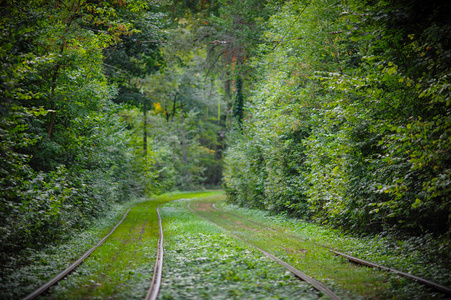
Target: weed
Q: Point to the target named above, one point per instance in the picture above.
(201, 261)
(424, 256)
(122, 266)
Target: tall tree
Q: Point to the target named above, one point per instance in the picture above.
(350, 117)
(233, 36)
(64, 151)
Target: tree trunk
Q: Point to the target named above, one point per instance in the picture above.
(185, 158)
(238, 104)
(144, 127)
(227, 99)
(166, 112)
(174, 107)
(52, 99)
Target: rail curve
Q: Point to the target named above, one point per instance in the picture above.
(301, 275)
(360, 261)
(154, 289)
(74, 265)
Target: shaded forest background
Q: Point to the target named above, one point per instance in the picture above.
(333, 111)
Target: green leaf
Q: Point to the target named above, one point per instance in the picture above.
(391, 71)
(416, 203)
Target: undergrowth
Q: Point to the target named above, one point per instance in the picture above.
(202, 262)
(424, 256)
(32, 268)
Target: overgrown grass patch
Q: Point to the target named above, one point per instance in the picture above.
(347, 281)
(123, 267)
(126, 259)
(424, 256)
(30, 269)
(202, 262)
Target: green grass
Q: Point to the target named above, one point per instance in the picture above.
(345, 280)
(125, 259)
(422, 256)
(31, 268)
(122, 268)
(203, 262)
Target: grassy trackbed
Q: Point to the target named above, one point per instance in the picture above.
(202, 261)
(296, 242)
(121, 268)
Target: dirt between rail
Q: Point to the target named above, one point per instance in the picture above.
(203, 206)
(248, 228)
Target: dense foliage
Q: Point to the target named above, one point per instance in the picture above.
(83, 124)
(349, 121)
(338, 111)
(65, 152)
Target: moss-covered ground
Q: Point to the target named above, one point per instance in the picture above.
(297, 241)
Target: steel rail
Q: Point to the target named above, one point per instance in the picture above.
(429, 283)
(74, 265)
(301, 275)
(154, 289)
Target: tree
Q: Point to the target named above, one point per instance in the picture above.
(65, 154)
(233, 35)
(349, 118)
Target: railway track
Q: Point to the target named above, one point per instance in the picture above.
(156, 280)
(353, 259)
(154, 289)
(155, 285)
(301, 275)
(74, 265)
